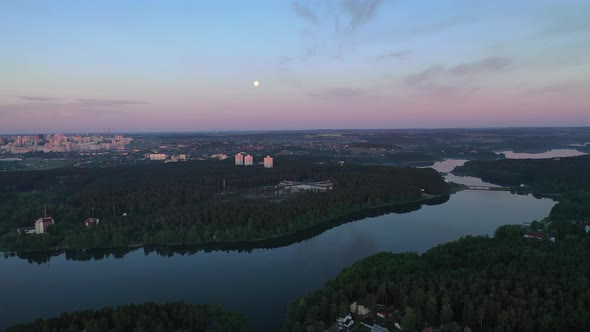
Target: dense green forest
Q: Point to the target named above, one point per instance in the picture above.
(567, 179)
(574, 205)
(505, 283)
(186, 203)
(146, 317)
(558, 175)
(45, 256)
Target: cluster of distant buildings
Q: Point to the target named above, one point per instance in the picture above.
(242, 159)
(373, 322)
(378, 320)
(164, 157)
(41, 225)
(529, 233)
(62, 143)
(247, 160)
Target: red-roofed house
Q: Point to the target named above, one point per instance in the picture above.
(42, 224)
(534, 235)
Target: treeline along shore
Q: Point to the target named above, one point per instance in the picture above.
(179, 317)
(565, 179)
(195, 202)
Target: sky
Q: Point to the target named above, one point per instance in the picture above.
(142, 65)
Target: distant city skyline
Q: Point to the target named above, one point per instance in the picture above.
(73, 67)
(63, 143)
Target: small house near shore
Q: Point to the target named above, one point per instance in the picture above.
(345, 322)
(359, 309)
(91, 222)
(534, 235)
(25, 230)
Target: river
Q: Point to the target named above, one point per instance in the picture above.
(257, 282)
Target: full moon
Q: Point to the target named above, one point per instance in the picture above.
(256, 83)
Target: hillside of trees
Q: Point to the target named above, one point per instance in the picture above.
(146, 317)
(185, 203)
(505, 283)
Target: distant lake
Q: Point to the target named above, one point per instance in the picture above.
(448, 165)
(555, 153)
(261, 283)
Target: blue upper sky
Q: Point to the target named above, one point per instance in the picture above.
(189, 65)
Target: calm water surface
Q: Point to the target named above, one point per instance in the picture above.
(260, 283)
(448, 165)
(555, 153)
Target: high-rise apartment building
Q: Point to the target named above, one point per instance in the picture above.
(239, 159)
(268, 163)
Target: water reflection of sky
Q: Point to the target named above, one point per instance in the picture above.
(555, 153)
(448, 165)
(260, 283)
(468, 181)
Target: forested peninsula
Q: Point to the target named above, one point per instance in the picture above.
(195, 202)
(179, 317)
(505, 283)
(543, 176)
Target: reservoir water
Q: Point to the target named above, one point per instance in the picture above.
(260, 283)
(448, 165)
(555, 153)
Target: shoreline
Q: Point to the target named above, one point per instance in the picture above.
(327, 224)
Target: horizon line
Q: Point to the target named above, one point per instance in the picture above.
(288, 130)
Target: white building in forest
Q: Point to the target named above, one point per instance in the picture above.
(156, 156)
(294, 186)
(42, 224)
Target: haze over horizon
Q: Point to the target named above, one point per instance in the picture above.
(73, 66)
(112, 131)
